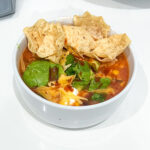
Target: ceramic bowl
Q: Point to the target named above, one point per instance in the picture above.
(73, 117)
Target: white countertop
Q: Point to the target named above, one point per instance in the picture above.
(129, 126)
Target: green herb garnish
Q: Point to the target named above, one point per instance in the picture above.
(94, 85)
(80, 85)
(98, 97)
(105, 82)
(70, 59)
(70, 71)
(83, 71)
(94, 64)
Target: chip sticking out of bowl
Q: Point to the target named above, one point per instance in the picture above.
(94, 25)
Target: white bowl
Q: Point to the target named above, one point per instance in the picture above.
(69, 116)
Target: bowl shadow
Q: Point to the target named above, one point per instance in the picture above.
(122, 4)
(132, 103)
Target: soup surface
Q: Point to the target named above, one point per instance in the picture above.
(117, 71)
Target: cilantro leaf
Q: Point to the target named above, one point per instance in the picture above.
(94, 64)
(70, 71)
(80, 85)
(105, 82)
(83, 71)
(69, 59)
(98, 97)
(94, 85)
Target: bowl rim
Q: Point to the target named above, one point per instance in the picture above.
(43, 100)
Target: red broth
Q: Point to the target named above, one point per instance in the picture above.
(118, 71)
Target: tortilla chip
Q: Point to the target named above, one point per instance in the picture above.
(65, 80)
(35, 34)
(47, 47)
(109, 48)
(45, 39)
(94, 25)
(58, 94)
(50, 93)
(79, 39)
(53, 58)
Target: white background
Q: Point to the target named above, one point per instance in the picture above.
(129, 126)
